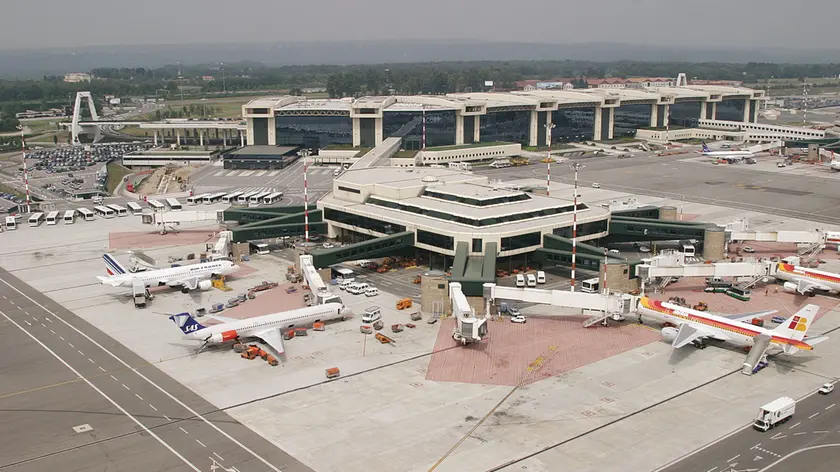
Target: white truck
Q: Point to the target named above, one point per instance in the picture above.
(776, 412)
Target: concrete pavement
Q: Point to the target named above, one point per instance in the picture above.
(127, 414)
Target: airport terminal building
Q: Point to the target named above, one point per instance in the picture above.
(523, 117)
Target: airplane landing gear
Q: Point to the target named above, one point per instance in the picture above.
(699, 344)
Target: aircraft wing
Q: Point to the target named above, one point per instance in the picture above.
(747, 316)
(806, 287)
(189, 282)
(687, 334)
(112, 281)
(223, 319)
(273, 338)
(815, 340)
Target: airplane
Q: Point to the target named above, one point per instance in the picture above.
(188, 277)
(268, 328)
(693, 327)
(807, 281)
(728, 155)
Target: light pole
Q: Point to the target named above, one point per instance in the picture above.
(577, 166)
(224, 85)
(25, 171)
(548, 128)
(304, 153)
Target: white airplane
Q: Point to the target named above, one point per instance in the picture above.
(807, 281)
(268, 328)
(729, 155)
(188, 277)
(693, 327)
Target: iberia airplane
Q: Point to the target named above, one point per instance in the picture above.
(807, 281)
(693, 327)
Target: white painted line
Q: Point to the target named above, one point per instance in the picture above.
(781, 437)
(184, 430)
(126, 386)
(755, 447)
(74, 347)
(220, 457)
(30, 324)
(80, 352)
(800, 433)
(167, 418)
(194, 413)
(100, 368)
(797, 424)
(820, 432)
(202, 444)
(138, 396)
(830, 406)
(712, 469)
(153, 407)
(42, 324)
(732, 459)
(61, 337)
(13, 303)
(115, 379)
(776, 436)
(51, 331)
(91, 385)
(798, 451)
(46, 318)
(815, 414)
(91, 360)
(234, 469)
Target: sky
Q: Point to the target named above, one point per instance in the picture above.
(775, 23)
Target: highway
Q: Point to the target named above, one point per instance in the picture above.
(74, 399)
(808, 441)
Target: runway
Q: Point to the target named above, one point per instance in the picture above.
(73, 399)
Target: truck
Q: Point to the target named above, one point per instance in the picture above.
(774, 413)
(140, 294)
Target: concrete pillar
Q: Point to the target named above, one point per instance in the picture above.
(434, 293)
(477, 129)
(596, 136)
(241, 139)
(667, 118)
(377, 131)
(178, 136)
(714, 111)
(668, 213)
(618, 277)
(612, 123)
(250, 131)
(654, 115)
(459, 129)
(357, 132)
(533, 132)
(156, 137)
(272, 132)
(746, 111)
(224, 137)
(201, 137)
(548, 117)
(702, 110)
(714, 241)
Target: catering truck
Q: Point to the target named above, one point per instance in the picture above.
(776, 412)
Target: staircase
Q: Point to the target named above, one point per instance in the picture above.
(595, 319)
(665, 281)
(748, 284)
(809, 253)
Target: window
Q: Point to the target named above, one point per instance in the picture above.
(362, 221)
(349, 189)
(441, 286)
(521, 241)
(436, 240)
(475, 201)
(477, 244)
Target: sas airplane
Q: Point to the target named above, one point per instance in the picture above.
(268, 328)
(693, 327)
(728, 155)
(807, 281)
(188, 277)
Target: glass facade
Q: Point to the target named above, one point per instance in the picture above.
(440, 127)
(685, 114)
(436, 240)
(313, 131)
(629, 118)
(362, 222)
(475, 201)
(521, 241)
(584, 229)
(730, 110)
(509, 126)
(477, 245)
(572, 124)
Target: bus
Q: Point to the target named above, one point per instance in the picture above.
(11, 223)
(590, 285)
(231, 197)
(119, 210)
(156, 205)
(245, 197)
(36, 219)
(743, 294)
(258, 198)
(689, 250)
(272, 198)
(173, 204)
(52, 218)
(104, 212)
(86, 214)
(69, 217)
(134, 208)
(195, 199)
(213, 198)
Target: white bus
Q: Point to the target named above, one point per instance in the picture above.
(104, 212)
(245, 197)
(69, 217)
(273, 198)
(689, 249)
(213, 198)
(86, 214)
(195, 199)
(11, 223)
(119, 210)
(156, 205)
(173, 204)
(135, 208)
(52, 218)
(231, 197)
(258, 198)
(590, 285)
(35, 220)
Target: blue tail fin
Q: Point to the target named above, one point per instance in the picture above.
(705, 148)
(186, 322)
(112, 266)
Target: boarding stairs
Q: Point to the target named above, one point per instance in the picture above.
(748, 284)
(665, 281)
(599, 318)
(757, 355)
(809, 253)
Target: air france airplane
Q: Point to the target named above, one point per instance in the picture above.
(729, 155)
(188, 277)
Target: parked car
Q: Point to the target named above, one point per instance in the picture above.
(518, 319)
(644, 249)
(749, 249)
(826, 389)
(596, 185)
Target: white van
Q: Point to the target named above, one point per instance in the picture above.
(532, 281)
(358, 288)
(500, 163)
(520, 280)
(371, 314)
(540, 277)
(343, 285)
(372, 292)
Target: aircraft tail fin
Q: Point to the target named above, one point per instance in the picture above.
(705, 147)
(186, 322)
(112, 265)
(797, 325)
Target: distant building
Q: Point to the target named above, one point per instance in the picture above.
(208, 78)
(725, 83)
(76, 77)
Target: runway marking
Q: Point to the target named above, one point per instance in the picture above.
(161, 389)
(30, 324)
(42, 324)
(61, 337)
(80, 352)
(765, 450)
(202, 444)
(220, 457)
(115, 379)
(815, 414)
(101, 368)
(820, 432)
(830, 406)
(13, 303)
(799, 433)
(167, 418)
(798, 451)
(51, 331)
(797, 424)
(737, 456)
(109, 399)
(712, 469)
(46, 318)
(779, 437)
(153, 407)
(126, 387)
(71, 345)
(182, 429)
(91, 360)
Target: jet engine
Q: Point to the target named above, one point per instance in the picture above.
(222, 337)
(669, 334)
(205, 285)
(790, 287)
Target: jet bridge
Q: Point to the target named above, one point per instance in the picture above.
(739, 230)
(468, 328)
(672, 264)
